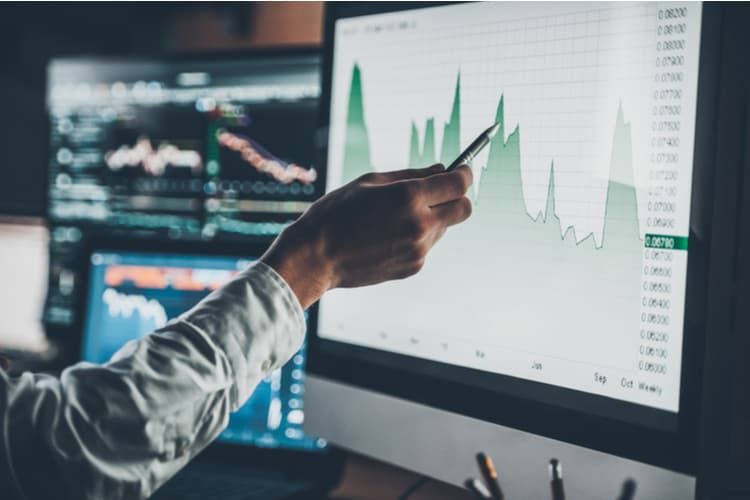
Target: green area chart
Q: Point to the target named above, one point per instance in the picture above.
(512, 272)
(500, 204)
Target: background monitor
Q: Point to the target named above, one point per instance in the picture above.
(132, 294)
(216, 149)
(559, 308)
(23, 262)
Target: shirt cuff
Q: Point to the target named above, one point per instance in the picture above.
(285, 291)
(256, 321)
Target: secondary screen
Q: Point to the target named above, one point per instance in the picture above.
(215, 148)
(131, 295)
(572, 269)
(218, 149)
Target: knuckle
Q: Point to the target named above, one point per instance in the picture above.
(410, 270)
(417, 227)
(366, 178)
(418, 252)
(417, 266)
(410, 193)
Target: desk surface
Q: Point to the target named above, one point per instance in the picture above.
(367, 479)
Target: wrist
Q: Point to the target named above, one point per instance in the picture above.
(297, 256)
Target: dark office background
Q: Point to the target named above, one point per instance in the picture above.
(32, 34)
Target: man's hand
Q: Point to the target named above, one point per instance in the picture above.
(377, 228)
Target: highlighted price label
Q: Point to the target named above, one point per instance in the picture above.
(666, 242)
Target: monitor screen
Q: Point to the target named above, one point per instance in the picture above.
(190, 148)
(23, 262)
(183, 146)
(568, 283)
(132, 294)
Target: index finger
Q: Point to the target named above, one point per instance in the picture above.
(405, 174)
(447, 186)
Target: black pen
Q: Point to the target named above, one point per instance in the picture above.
(475, 147)
(478, 489)
(487, 468)
(628, 490)
(556, 482)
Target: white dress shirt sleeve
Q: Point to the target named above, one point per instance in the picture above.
(122, 429)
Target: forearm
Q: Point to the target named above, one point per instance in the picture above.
(120, 430)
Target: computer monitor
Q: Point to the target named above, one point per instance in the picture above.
(214, 148)
(133, 293)
(23, 262)
(571, 305)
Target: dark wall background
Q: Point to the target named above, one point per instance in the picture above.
(31, 34)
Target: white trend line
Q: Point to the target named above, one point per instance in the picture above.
(121, 304)
(153, 161)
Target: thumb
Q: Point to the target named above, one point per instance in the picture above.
(401, 175)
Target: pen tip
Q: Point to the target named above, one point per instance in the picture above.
(493, 130)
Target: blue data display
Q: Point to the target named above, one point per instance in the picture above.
(132, 294)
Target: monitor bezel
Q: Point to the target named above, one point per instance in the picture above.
(673, 449)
